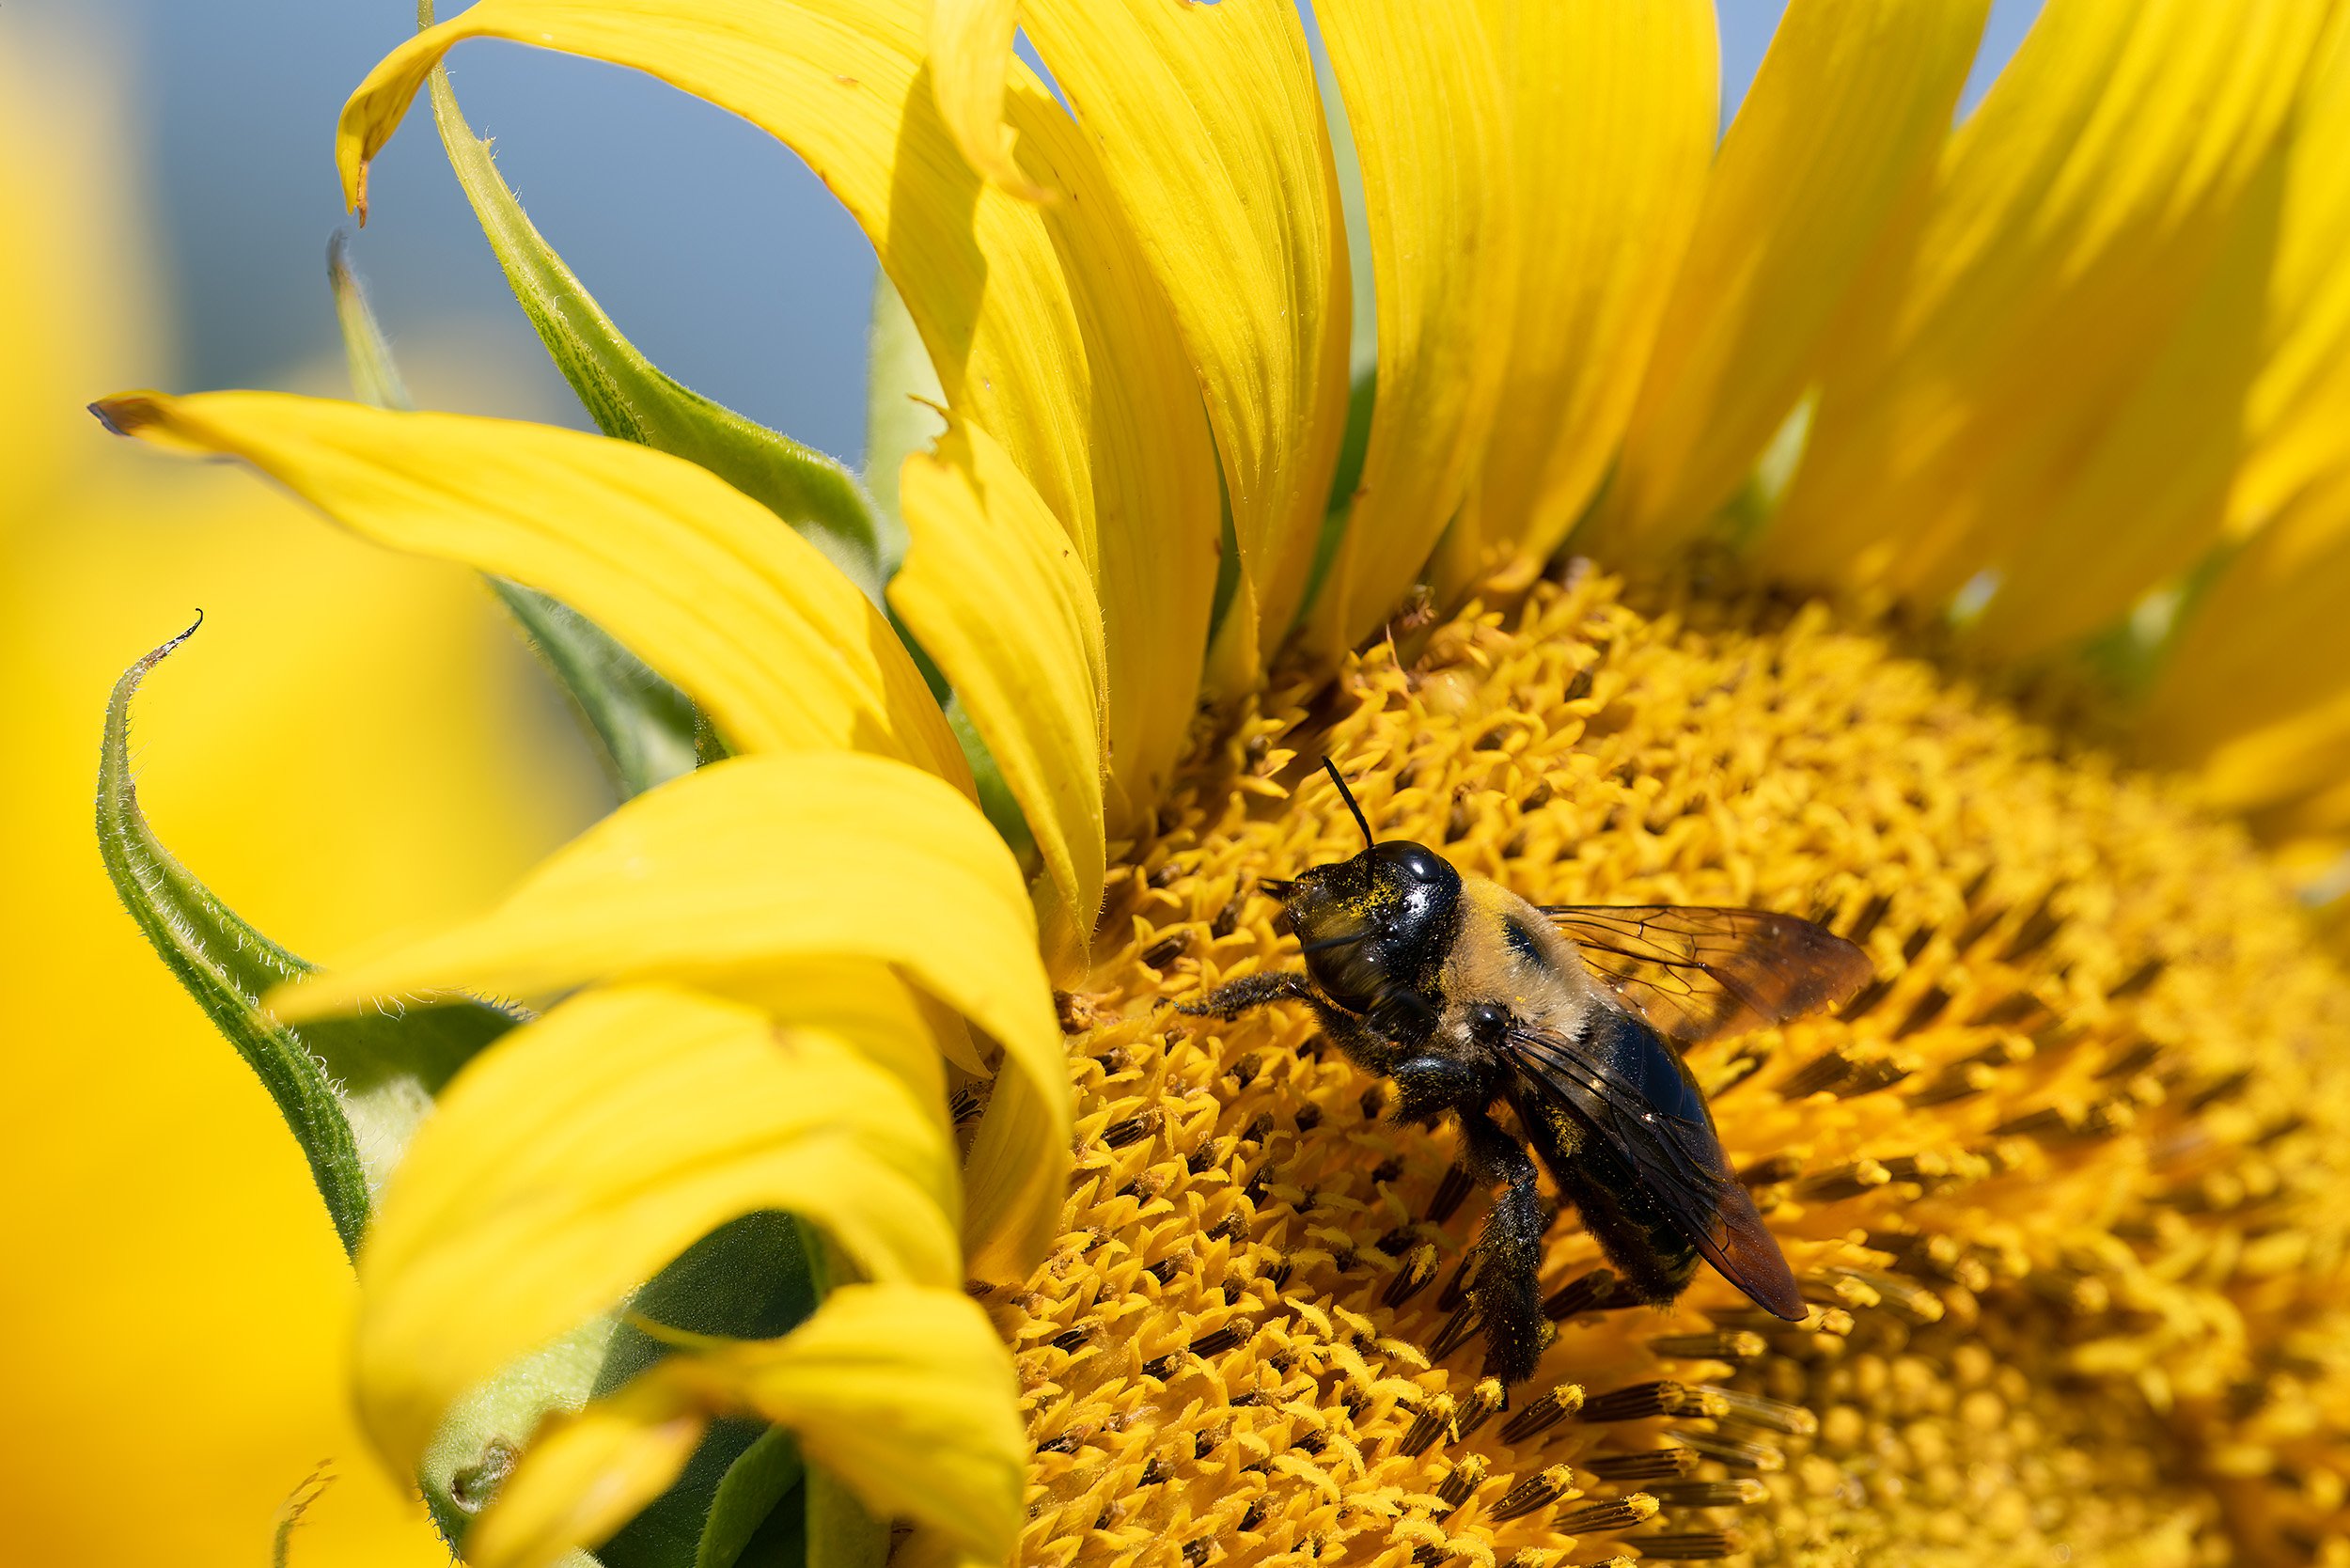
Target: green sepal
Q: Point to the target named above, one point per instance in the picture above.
(351, 1090)
(997, 804)
(644, 727)
(630, 398)
(901, 417)
(755, 1511)
(840, 1533)
(375, 379)
(902, 397)
(1362, 400)
(752, 1278)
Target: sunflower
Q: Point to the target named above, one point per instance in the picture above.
(1924, 486)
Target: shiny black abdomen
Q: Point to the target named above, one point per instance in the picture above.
(1648, 1248)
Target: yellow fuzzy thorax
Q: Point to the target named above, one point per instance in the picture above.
(2063, 1184)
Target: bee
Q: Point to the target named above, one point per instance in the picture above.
(1466, 996)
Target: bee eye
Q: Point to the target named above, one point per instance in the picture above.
(1416, 861)
(1488, 1024)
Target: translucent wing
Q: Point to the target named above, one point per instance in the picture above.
(1697, 973)
(1623, 1082)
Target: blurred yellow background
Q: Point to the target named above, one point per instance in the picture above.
(353, 742)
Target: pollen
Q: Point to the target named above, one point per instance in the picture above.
(2062, 1187)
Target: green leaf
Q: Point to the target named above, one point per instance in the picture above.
(629, 398)
(644, 726)
(351, 1090)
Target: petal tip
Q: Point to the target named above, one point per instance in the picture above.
(129, 413)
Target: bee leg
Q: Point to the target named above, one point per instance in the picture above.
(1251, 991)
(1432, 1085)
(1508, 1291)
(1362, 1044)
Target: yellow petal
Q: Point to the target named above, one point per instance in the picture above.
(866, 1003)
(2297, 418)
(585, 1475)
(2151, 499)
(971, 61)
(994, 592)
(701, 582)
(1015, 1181)
(2256, 692)
(1426, 99)
(572, 1159)
(1242, 231)
(1984, 384)
(903, 1393)
(1043, 322)
(1842, 125)
(1612, 119)
(764, 860)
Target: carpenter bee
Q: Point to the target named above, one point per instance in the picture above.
(1465, 994)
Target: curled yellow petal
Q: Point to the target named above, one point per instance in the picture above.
(1612, 114)
(2020, 346)
(584, 1151)
(761, 860)
(1043, 322)
(1842, 127)
(903, 1393)
(1242, 230)
(1425, 98)
(995, 591)
(970, 62)
(866, 1003)
(701, 582)
(585, 1475)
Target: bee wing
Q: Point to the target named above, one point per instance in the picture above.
(1698, 974)
(1624, 1083)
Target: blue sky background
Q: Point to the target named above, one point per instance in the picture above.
(714, 249)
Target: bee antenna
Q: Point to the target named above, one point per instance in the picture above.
(1348, 795)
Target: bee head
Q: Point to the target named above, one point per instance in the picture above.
(1379, 921)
